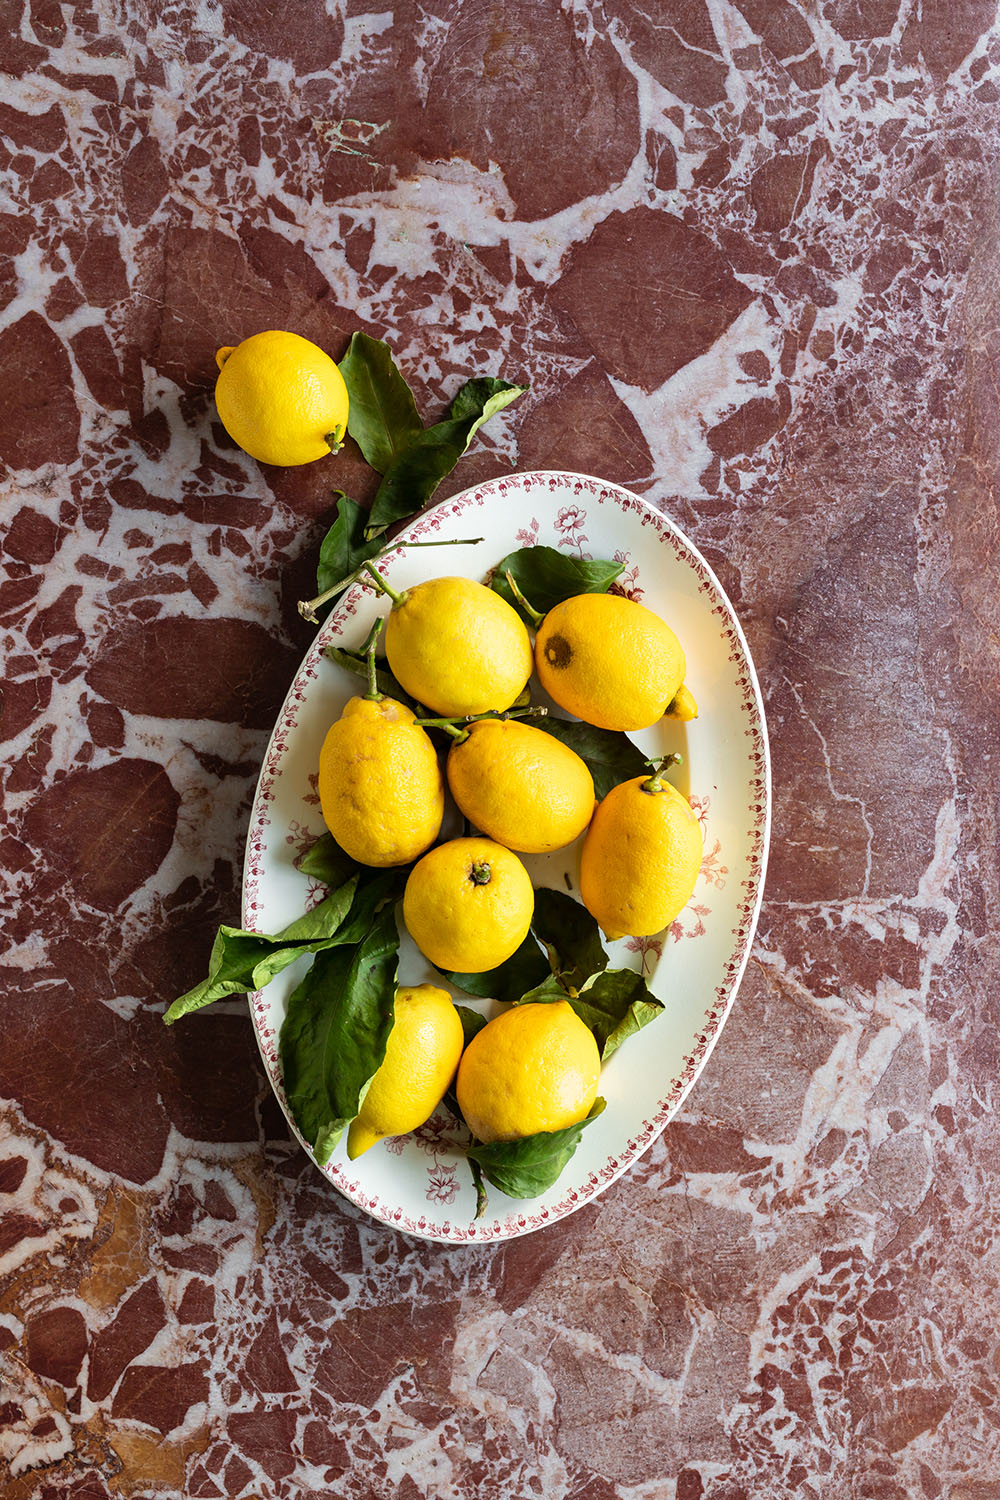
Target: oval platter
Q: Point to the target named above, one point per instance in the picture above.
(421, 1183)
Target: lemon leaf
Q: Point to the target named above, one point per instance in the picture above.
(325, 860)
(242, 960)
(545, 576)
(334, 1034)
(609, 755)
(527, 1167)
(472, 1022)
(615, 1005)
(525, 968)
(344, 548)
(571, 936)
(382, 415)
(410, 481)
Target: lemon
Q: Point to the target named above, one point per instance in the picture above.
(421, 1056)
(534, 1068)
(521, 786)
(609, 661)
(468, 905)
(281, 398)
(640, 858)
(457, 647)
(380, 785)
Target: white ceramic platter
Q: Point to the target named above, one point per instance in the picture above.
(421, 1183)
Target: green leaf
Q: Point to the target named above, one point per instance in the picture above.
(525, 1168)
(375, 888)
(382, 416)
(472, 1022)
(410, 481)
(344, 548)
(614, 1005)
(352, 661)
(522, 971)
(571, 936)
(334, 1035)
(241, 960)
(326, 861)
(610, 755)
(547, 576)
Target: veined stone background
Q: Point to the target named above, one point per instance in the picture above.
(747, 254)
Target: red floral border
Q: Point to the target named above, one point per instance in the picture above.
(752, 885)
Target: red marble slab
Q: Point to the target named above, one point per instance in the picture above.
(746, 252)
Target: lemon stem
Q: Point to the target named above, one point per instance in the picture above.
(458, 728)
(659, 767)
(480, 873)
(308, 607)
(368, 652)
(332, 440)
(383, 587)
(529, 609)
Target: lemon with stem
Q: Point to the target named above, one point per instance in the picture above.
(281, 398)
(380, 784)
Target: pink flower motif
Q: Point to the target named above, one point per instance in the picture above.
(395, 1144)
(313, 797)
(437, 1132)
(528, 537)
(712, 868)
(443, 1185)
(627, 584)
(644, 946)
(699, 913)
(571, 518)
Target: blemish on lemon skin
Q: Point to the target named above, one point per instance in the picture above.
(558, 651)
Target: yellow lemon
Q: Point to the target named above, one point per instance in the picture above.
(457, 647)
(521, 786)
(281, 398)
(609, 661)
(380, 784)
(421, 1056)
(640, 858)
(534, 1068)
(468, 905)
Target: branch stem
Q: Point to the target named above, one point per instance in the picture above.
(308, 607)
(529, 609)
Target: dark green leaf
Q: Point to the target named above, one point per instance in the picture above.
(242, 960)
(412, 478)
(344, 548)
(352, 661)
(546, 577)
(472, 1022)
(522, 971)
(525, 1168)
(571, 936)
(326, 861)
(480, 399)
(382, 417)
(334, 1035)
(610, 756)
(375, 888)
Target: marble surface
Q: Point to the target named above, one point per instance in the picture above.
(746, 252)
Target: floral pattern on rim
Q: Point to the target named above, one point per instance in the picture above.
(752, 884)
